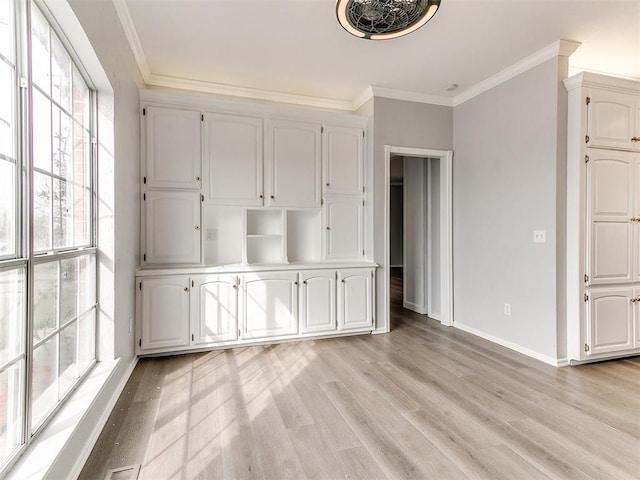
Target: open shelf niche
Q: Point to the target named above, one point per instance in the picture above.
(265, 239)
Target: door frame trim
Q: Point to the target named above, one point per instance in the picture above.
(446, 227)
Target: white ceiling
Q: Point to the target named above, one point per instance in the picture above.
(297, 47)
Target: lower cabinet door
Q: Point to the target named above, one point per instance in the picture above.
(355, 306)
(610, 320)
(317, 301)
(269, 304)
(214, 308)
(165, 312)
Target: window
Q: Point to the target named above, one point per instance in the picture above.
(47, 272)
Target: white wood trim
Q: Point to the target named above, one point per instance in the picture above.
(364, 97)
(414, 307)
(245, 106)
(132, 36)
(409, 96)
(562, 48)
(429, 234)
(446, 225)
(512, 346)
(246, 92)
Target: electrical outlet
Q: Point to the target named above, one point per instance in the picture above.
(212, 234)
(539, 236)
(507, 309)
(130, 324)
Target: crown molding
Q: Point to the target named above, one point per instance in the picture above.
(132, 36)
(364, 97)
(411, 96)
(245, 92)
(599, 80)
(561, 48)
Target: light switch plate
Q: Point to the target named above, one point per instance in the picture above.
(539, 236)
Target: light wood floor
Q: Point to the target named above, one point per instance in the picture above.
(424, 401)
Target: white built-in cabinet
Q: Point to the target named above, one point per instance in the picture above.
(614, 119)
(342, 216)
(219, 309)
(172, 148)
(603, 217)
(269, 304)
(293, 169)
(343, 159)
(164, 313)
(317, 301)
(172, 227)
(233, 159)
(252, 217)
(214, 308)
(354, 286)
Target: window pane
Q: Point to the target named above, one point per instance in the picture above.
(7, 36)
(45, 300)
(11, 409)
(7, 208)
(81, 100)
(62, 215)
(87, 341)
(42, 201)
(41, 59)
(68, 369)
(68, 289)
(41, 132)
(7, 110)
(60, 74)
(12, 314)
(44, 379)
(86, 282)
(62, 144)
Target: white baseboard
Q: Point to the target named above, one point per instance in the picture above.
(513, 346)
(435, 316)
(90, 442)
(414, 307)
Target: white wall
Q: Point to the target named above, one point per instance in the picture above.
(415, 238)
(507, 182)
(403, 124)
(103, 28)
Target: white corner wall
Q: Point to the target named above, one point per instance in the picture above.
(507, 182)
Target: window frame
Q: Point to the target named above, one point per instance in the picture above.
(24, 256)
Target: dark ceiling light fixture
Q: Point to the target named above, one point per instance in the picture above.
(384, 19)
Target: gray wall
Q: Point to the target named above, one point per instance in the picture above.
(415, 230)
(507, 181)
(402, 124)
(434, 248)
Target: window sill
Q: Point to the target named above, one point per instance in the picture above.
(62, 447)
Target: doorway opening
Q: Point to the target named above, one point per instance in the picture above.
(418, 236)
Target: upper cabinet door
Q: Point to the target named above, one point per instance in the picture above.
(611, 120)
(172, 227)
(172, 156)
(233, 158)
(343, 160)
(636, 222)
(343, 221)
(611, 200)
(294, 164)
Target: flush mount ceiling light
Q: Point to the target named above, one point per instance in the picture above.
(383, 19)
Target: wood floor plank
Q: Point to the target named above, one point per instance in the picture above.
(424, 401)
